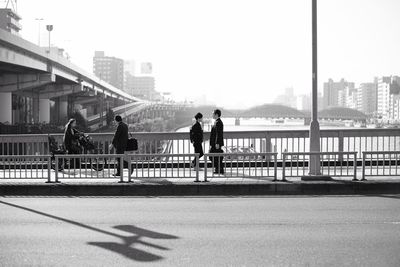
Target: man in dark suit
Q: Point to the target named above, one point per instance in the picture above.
(217, 141)
(196, 137)
(120, 140)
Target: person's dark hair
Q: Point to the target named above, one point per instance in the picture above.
(118, 118)
(68, 125)
(198, 116)
(217, 112)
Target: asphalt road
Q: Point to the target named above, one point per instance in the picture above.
(268, 231)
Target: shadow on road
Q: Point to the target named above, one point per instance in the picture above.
(134, 236)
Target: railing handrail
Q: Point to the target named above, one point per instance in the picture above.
(160, 154)
(365, 132)
(88, 156)
(23, 156)
(320, 153)
(242, 154)
(380, 152)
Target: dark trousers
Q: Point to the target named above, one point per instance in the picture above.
(74, 163)
(217, 161)
(198, 148)
(126, 166)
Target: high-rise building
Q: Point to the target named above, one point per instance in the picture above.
(394, 110)
(109, 69)
(141, 86)
(334, 93)
(383, 96)
(394, 99)
(388, 89)
(351, 98)
(9, 21)
(367, 98)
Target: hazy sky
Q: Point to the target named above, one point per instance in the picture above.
(237, 52)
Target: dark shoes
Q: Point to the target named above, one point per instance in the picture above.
(220, 172)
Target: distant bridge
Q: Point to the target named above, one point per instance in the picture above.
(274, 111)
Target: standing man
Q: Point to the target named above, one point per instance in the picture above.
(196, 137)
(120, 140)
(217, 141)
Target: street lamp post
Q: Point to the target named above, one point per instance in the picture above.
(38, 20)
(314, 164)
(49, 29)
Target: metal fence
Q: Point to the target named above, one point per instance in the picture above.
(25, 167)
(162, 166)
(381, 163)
(279, 141)
(331, 164)
(99, 166)
(240, 165)
(131, 166)
(176, 166)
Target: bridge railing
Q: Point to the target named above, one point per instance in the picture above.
(332, 164)
(380, 163)
(25, 167)
(279, 141)
(241, 165)
(248, 166)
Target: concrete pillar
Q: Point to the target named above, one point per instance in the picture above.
(44, 110)
(61, 109)
(35, 108)
(6, 107)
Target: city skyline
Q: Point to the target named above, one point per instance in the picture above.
(224, 47)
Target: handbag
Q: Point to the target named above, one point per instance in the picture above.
(132, 144)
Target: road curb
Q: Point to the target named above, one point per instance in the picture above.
(203, 189)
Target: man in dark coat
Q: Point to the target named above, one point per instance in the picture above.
(120, 140)
(217, 141)
(196, 137)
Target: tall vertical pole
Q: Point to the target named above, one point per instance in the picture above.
(314, 164)
(49, 41)
(49, 29)
(39, 20)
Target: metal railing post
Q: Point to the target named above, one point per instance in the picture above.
(129, 160)
(341, 145)
(205, 167)
(275, 167)
(355, 166)
(283, 167)
(197, 166)
(56, 167)
(363, 166)
(121, 168)
(49, 169)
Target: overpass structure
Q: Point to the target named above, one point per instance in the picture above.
(34, 80)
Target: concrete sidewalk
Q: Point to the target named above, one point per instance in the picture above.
(186, 187)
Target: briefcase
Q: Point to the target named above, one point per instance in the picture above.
(132, 144)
